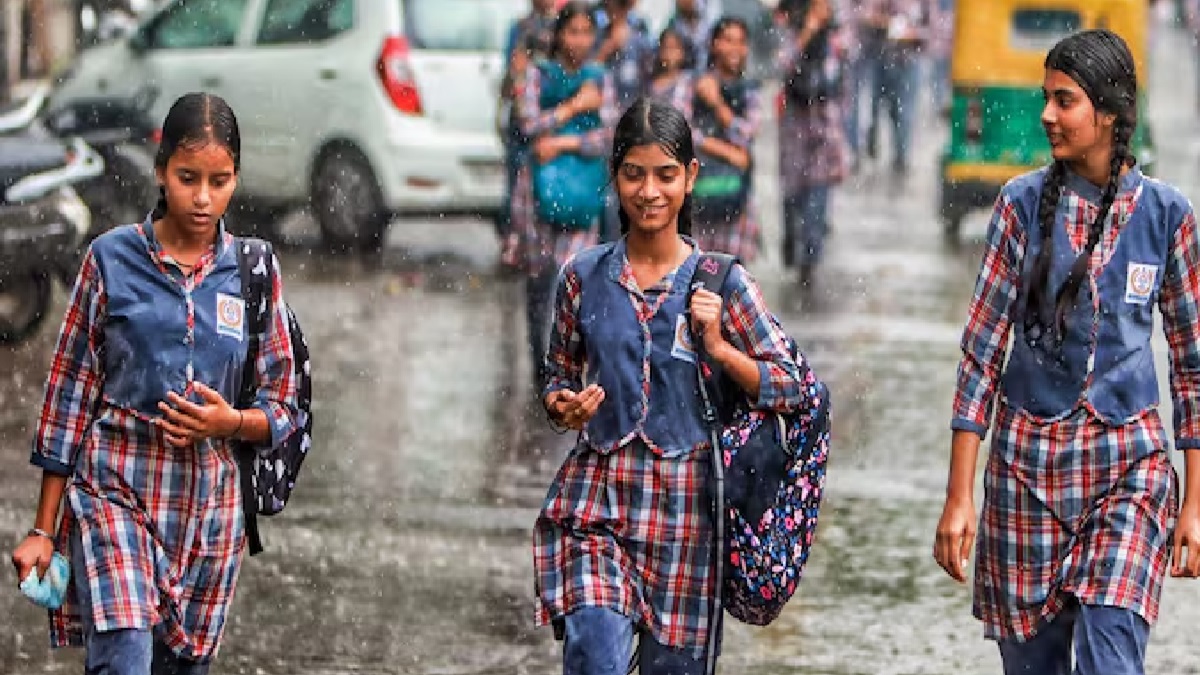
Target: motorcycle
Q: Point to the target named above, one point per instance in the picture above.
(42, 223)
(121, 131)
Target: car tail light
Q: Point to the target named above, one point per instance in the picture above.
(156, 136)
(396, 75)
(973, 125)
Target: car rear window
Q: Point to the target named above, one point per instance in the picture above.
(1040, 29)
(462, 25)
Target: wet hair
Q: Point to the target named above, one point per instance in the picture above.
(569, 11)
(723, 24)
(195, 120)
(689, 57)
(1101, 64)
(651, 122)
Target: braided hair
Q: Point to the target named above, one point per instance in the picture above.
(1100, 62)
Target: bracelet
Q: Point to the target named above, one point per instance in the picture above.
(38, 532)
(241, 418)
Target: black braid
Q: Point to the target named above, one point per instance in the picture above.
(160, 209)
(1039, 284)
(1067, 295)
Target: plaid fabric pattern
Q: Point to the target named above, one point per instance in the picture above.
(632, 532)
(626, 527)
(1073, 506)
(741, 238)
(813, 149)
(161, 527)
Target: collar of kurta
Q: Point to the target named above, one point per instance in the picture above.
(620, 271)
(1092, 192)
(154, 247)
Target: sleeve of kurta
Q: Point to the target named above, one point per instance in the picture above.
(533, 120)
(563, 368)
(76, 377)
(985, 337)
(1181, 323)
(598, 143)
(276, 369)
(751, 327)
(744, 127)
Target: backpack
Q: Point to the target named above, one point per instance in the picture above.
(769, 475)
(722, 190)
(569, 189)
(817, 77)
(268, 476)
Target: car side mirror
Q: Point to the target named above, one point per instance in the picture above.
(139, 42)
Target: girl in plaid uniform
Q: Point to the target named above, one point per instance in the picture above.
(622, 545)
(1080, 516)
(135, 426)
(538, 247)
(726, 113)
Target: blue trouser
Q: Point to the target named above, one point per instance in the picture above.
(516, 153)
(861, 76)
(1107, 641)
(599, 641)
(129, 651)
(806, 215)
(539, 308)
(896, 79)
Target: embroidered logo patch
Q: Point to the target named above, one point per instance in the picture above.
(231, 315)
(711, 266)
(683, 349)
(1139, 283)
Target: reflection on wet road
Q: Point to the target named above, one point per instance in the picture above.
(406, 549)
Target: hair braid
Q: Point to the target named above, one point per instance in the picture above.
(1052, 189)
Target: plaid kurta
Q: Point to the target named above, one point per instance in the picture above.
(813, 149)
(541, 246)
(1072, 506)
(161, 527)
(626, 527)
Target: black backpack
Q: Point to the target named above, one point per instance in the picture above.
(268, 477)
(817, 77)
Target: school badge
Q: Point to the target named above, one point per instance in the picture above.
(1139, 283)
(231, 316)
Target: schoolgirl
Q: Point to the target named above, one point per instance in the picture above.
(726, 113)
(671, 81)
(1080, 512)
(623, 543)
(566, 106)
(136, 425)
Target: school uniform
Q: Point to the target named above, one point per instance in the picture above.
(741, 237)
(158, 531)
(626, 526)
(1080, 494)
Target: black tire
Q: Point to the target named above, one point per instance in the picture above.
(24, 303)
(347, 201)
(952, 226)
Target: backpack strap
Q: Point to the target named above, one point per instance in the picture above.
(711, 273)
(256, 259)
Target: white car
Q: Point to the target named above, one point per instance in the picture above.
(366, 107)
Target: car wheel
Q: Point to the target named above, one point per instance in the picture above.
(347, 202)
(24, 303)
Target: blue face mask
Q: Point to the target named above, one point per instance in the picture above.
(48, 591)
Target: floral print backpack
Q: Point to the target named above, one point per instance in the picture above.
(769, 479)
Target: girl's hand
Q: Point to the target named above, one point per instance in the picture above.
(710, 90)
(546, 148)
(955, 537)
(35, 551)
(587, 99)
(1185, 557)
(186, 423)
(705, 309)
(574, 410)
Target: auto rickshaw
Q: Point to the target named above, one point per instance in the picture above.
(996, 73)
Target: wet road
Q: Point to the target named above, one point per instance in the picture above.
(406, 549)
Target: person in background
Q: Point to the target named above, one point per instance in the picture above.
(813, 154)
(691, 23)
(529, 40)
(672, 79)
(905, 27)
(726, 115)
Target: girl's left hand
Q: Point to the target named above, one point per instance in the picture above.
(709, 89)
(185, 423)
(546, 148)
(706, 319)
(1186, 538)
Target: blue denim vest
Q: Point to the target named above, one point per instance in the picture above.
(1105, 360)
(148, 348)
(650, 384)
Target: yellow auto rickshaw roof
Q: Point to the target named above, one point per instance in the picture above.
(1004, 42)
